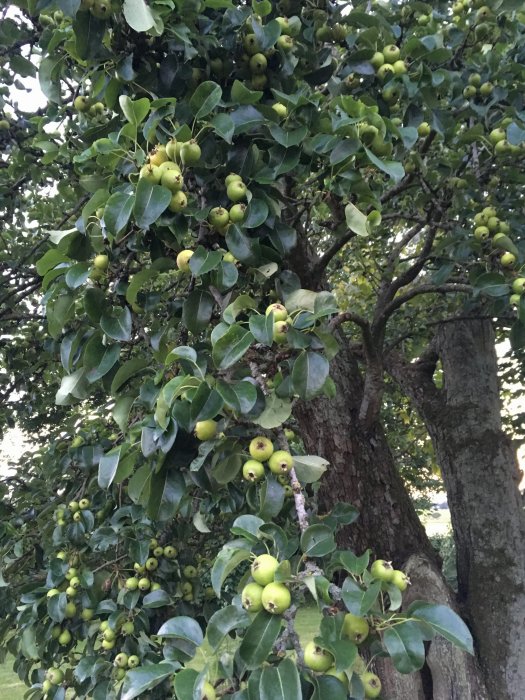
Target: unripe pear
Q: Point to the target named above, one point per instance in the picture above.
(276, 598)
(261, 448)
(183, 260)
(205, 429)
(172, 180)
(101, 262)
(279, 312)
(263, 569)
(178, 202)
(158, 155)
(218, 216)
(253, 470)
(236, 191)
(280, 462)
(280, 330)
(150, 173)
(251, 597)
(237, 213)
(190, 152)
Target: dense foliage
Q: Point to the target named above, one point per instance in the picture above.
(161, 321)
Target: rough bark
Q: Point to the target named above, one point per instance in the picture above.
(362, 470)
(481, 475)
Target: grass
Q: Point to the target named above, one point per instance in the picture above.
(11, 687)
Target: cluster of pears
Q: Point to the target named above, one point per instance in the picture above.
(388, 62)
(264, 592)
(142, 579)
(320, 660)
(498, 139)
(280, 462)
(54, 677)
(257, 60)
(219, 217)
(74, 510)
(163, 169)
(281, 322)
(488, 225)
(85, 105)
(477, 87)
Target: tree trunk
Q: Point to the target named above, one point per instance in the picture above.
(361, 471)
(481, 477)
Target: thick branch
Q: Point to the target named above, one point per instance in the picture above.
(421, 289)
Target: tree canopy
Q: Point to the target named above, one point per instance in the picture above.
(221, 201)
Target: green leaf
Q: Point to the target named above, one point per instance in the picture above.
(138, 15)
(261, 327)
(243, 248)
(325, 304)
(288, 138)
(309, 373)
(276, 412)
(72, 386)
(356, 221)
(223, 622)
(271, 495)
(77, 275)
(243, 96)
(184, 682)
(118, 211)
(404, 643)
(206, 403)
(49, 260)
(358, 600)
(182, 627)
(280, 682)
(126, 371)
(118, 324)
(445, 622)
(156, 599)
(256, 213)
(241, 303)
(197, 311)
(349, 561)
(223, 126)
(166, 492)
(493, 284)
(393, 169)
(317, 541)
(239, 396)
(231, 346)
(203, 261)
(259, 639)
(226, 561)
(150, 202)
(139, 279)
(309, 468)
(138, 680)
(56, 607)
(205, 98)
(107, 467)
(247, 526)
(88, 32)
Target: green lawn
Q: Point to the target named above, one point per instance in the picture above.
(10, 686)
